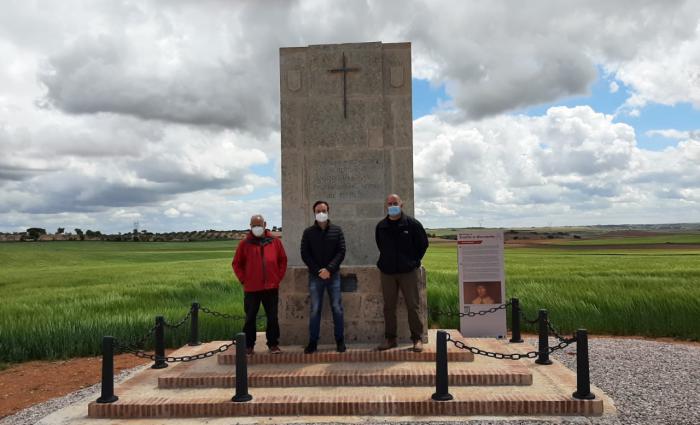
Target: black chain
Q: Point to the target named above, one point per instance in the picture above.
(180, 323)
(469, 314)
(553, 332)
(174, 359)
(224, 315)
(509, 356)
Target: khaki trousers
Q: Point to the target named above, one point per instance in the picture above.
(407, 283)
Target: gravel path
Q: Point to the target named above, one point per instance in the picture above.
(650, 382)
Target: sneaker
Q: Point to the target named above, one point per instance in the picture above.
(311, 348)
(417, 346)
(250, 351)
(275, 349)
(387, 344)
(340, 346)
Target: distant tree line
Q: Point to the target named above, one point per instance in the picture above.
(513, 234)
(40, 234)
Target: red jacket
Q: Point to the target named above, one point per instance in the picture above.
(260, 263)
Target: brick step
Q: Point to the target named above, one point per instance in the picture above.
(549, 393)
(338, 401)
(364, 355)
(347, 374)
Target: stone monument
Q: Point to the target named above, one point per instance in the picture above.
(347, 138)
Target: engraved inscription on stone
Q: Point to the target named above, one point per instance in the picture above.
(349, 180)
(353, 162)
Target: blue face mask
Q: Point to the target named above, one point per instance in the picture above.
(394, 210)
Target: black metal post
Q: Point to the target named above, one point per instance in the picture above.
(441, 375)
(107, 395)
(194, 325)
(160, 362)
(583, 377)
(241, 371)
(515, 320)
(543, 348)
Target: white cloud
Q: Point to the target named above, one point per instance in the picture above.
(118, 111)
(216, 64)
(171, 212)
(671, 133)
(572, 165)
(614, 87)
(71, 164)
(667, 73)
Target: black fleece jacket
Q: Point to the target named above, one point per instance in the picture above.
(402, 244)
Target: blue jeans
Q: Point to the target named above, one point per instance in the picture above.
(316, 288)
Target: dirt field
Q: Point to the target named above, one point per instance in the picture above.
(547, 243)
(29, 383)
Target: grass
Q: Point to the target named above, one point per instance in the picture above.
(622, 292)
(59, 298)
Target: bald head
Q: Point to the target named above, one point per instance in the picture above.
(393, 199)
(257, 220)
(394, 206)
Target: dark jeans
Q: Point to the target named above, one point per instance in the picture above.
(407, 283)
(316, 288)
(251, 305)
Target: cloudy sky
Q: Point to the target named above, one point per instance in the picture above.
(525, 113)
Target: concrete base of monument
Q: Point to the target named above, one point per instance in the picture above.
(363, 306)
(343, 390)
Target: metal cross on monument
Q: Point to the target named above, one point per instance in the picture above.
(344, 69)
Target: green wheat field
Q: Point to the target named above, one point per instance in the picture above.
(60, 298)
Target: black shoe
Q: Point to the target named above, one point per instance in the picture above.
(311, 348)
(340, 346)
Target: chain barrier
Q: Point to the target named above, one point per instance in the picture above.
(180, 323)
(510, 356)
(173, 359)
(469, 314)
(553, 332)
(224, 315)
(136, 347)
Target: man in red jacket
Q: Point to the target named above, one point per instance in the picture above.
(259, 264)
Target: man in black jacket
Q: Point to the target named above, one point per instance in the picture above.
(402, 242)
(323, 249)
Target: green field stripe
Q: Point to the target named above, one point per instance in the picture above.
(60, 298)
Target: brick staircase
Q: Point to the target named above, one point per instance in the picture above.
(359, 382)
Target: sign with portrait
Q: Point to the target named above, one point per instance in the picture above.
(482, 282)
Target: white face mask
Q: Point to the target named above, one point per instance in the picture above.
(258, 231)
(321, 217)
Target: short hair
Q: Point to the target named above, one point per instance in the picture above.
(254, 216)
(320, 202)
